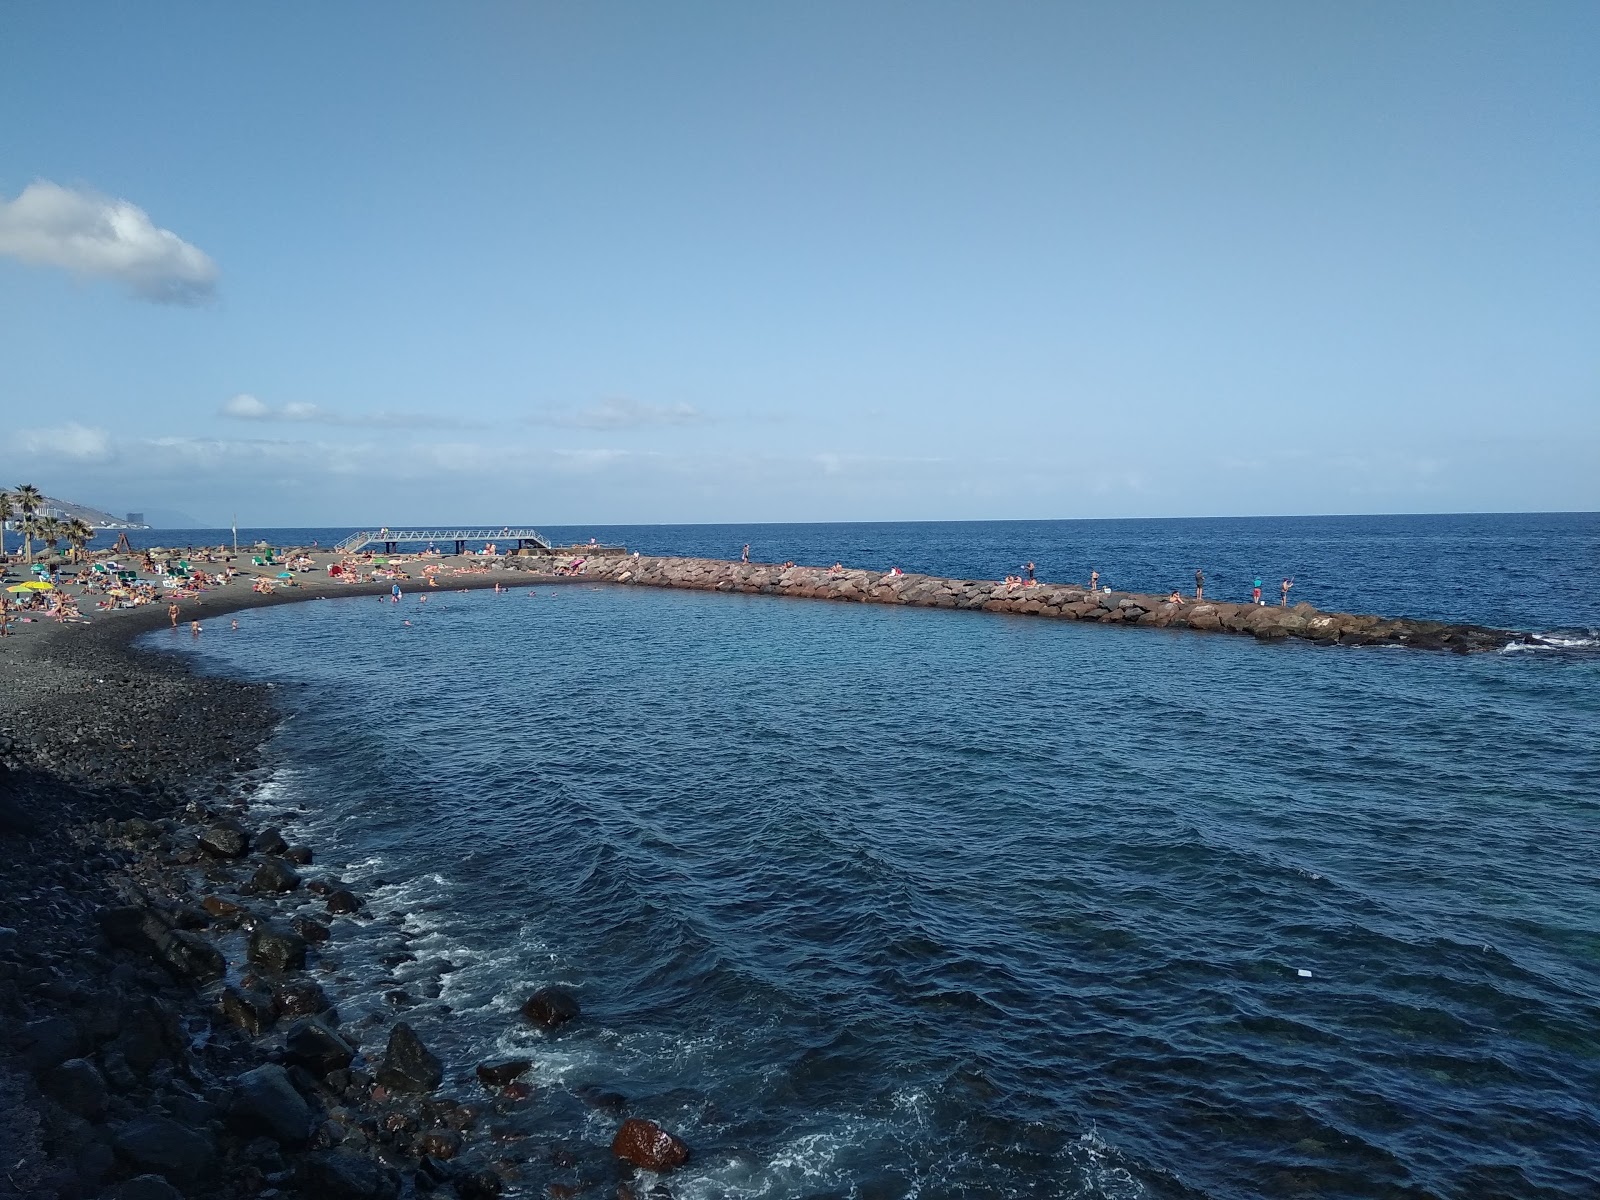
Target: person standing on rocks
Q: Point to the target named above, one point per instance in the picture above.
(1199, 584)
(1028, 567)
(1094, 579)
(1287, 584)
(744, 555)
(1255, 593)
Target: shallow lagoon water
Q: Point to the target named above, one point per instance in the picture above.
(881, 902)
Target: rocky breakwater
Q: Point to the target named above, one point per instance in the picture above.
(1062, 601)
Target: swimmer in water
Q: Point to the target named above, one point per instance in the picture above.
(235, 625)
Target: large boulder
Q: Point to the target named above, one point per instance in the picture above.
(343, 901)
(278, 948)
(645, 1144)
(251, 1010)
(299, 997)
(186, 955)
(310, 929)
(550, 1008)
(407, 1065)
(275, 875)
(270, 841)
(157, 1144)
(224, 839)
(265, 1102)
(78, 1087)
(314, 1045)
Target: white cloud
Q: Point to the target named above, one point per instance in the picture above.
(52, 226)
(245, 407)
(80, 443)
(619, 413)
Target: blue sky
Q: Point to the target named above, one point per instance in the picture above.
(719, 262)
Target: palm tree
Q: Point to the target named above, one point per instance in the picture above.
(79, 533)
(51, 531)
(28, 498)
(8, 508)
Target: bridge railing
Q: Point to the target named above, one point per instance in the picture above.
(367, 537)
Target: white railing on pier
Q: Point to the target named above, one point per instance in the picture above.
(384, 537)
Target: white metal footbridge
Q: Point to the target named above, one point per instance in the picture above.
(390, 538)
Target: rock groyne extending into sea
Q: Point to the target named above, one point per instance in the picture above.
(1064, 601)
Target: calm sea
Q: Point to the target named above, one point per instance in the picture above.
(880, 902)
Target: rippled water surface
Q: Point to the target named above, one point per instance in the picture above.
(880, 902)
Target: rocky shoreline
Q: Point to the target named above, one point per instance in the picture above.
(1061, 601)
(171, 1026)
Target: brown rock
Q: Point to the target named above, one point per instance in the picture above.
(218, 907)
(645, 1144)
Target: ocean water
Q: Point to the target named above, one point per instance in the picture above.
(877, 902)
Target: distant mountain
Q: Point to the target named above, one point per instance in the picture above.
(66, 510)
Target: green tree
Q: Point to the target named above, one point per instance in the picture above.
(51, 531)
(8, 509)
(79, 533)
(28, 498)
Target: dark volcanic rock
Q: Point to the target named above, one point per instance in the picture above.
(314, 1045)
(264, 1101)
(224, 839)
(157, 1144)
(279, 949)
(408, 1066)
(550, 1008)
(299, 998)
(270, 841)
(343, 900)
(189, 956)
(645, 1144)
(441, 1144)
(299, 854)
(312, 931)
(341, 1175)
(498, 1074)
(78, 1087)
(250, 1010)
(275, 875)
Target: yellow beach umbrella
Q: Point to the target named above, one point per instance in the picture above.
(33, 585)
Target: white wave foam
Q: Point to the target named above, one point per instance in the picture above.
(1560, 639)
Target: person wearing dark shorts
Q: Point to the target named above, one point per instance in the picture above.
(1199, 584)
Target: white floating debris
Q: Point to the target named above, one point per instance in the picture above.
(1303, 973)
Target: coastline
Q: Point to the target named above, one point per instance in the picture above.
(126, 962)
(166, 1020)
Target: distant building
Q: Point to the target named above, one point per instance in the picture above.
(135, 518)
